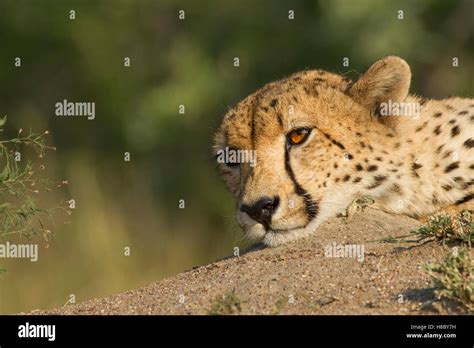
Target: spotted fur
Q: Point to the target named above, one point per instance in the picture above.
(410, 164)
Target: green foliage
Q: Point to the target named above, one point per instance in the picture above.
(454, 277)
(444, 228)
(449, 229)
(20, 186)
(280, 304)
(226, 304)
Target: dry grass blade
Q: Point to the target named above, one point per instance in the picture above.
(443, 228)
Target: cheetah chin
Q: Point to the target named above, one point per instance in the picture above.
(275, 238)
(300, 150)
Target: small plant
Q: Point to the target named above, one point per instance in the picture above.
(443, 228)
(21, 185)
(226, 304)
(359, 204)
(280, 304)
(454, 277)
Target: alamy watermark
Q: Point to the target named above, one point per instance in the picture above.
(23, 251)
(233, 156)
(66, 108)
(28, 330)
(345, 250)
(408, 109)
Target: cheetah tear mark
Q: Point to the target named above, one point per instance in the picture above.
(311, 206)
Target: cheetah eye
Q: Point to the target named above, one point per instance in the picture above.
(232, 164)
(298, 136)
(225, 156)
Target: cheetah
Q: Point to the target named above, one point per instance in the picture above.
(321, 140)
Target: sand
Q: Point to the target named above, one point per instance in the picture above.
(298, 278)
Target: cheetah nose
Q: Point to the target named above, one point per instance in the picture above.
(262, 210)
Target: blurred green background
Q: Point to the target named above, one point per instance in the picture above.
(135, 204)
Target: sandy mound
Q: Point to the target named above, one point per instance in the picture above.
(297, 278)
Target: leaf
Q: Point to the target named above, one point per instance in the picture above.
(4, 174)
(4, 206)
(3, 121)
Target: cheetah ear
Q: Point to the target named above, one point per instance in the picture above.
(387, 79)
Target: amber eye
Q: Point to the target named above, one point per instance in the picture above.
(298, 136)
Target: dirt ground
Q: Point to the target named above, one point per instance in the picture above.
(297, 278)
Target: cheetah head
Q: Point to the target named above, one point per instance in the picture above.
(289, 151)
